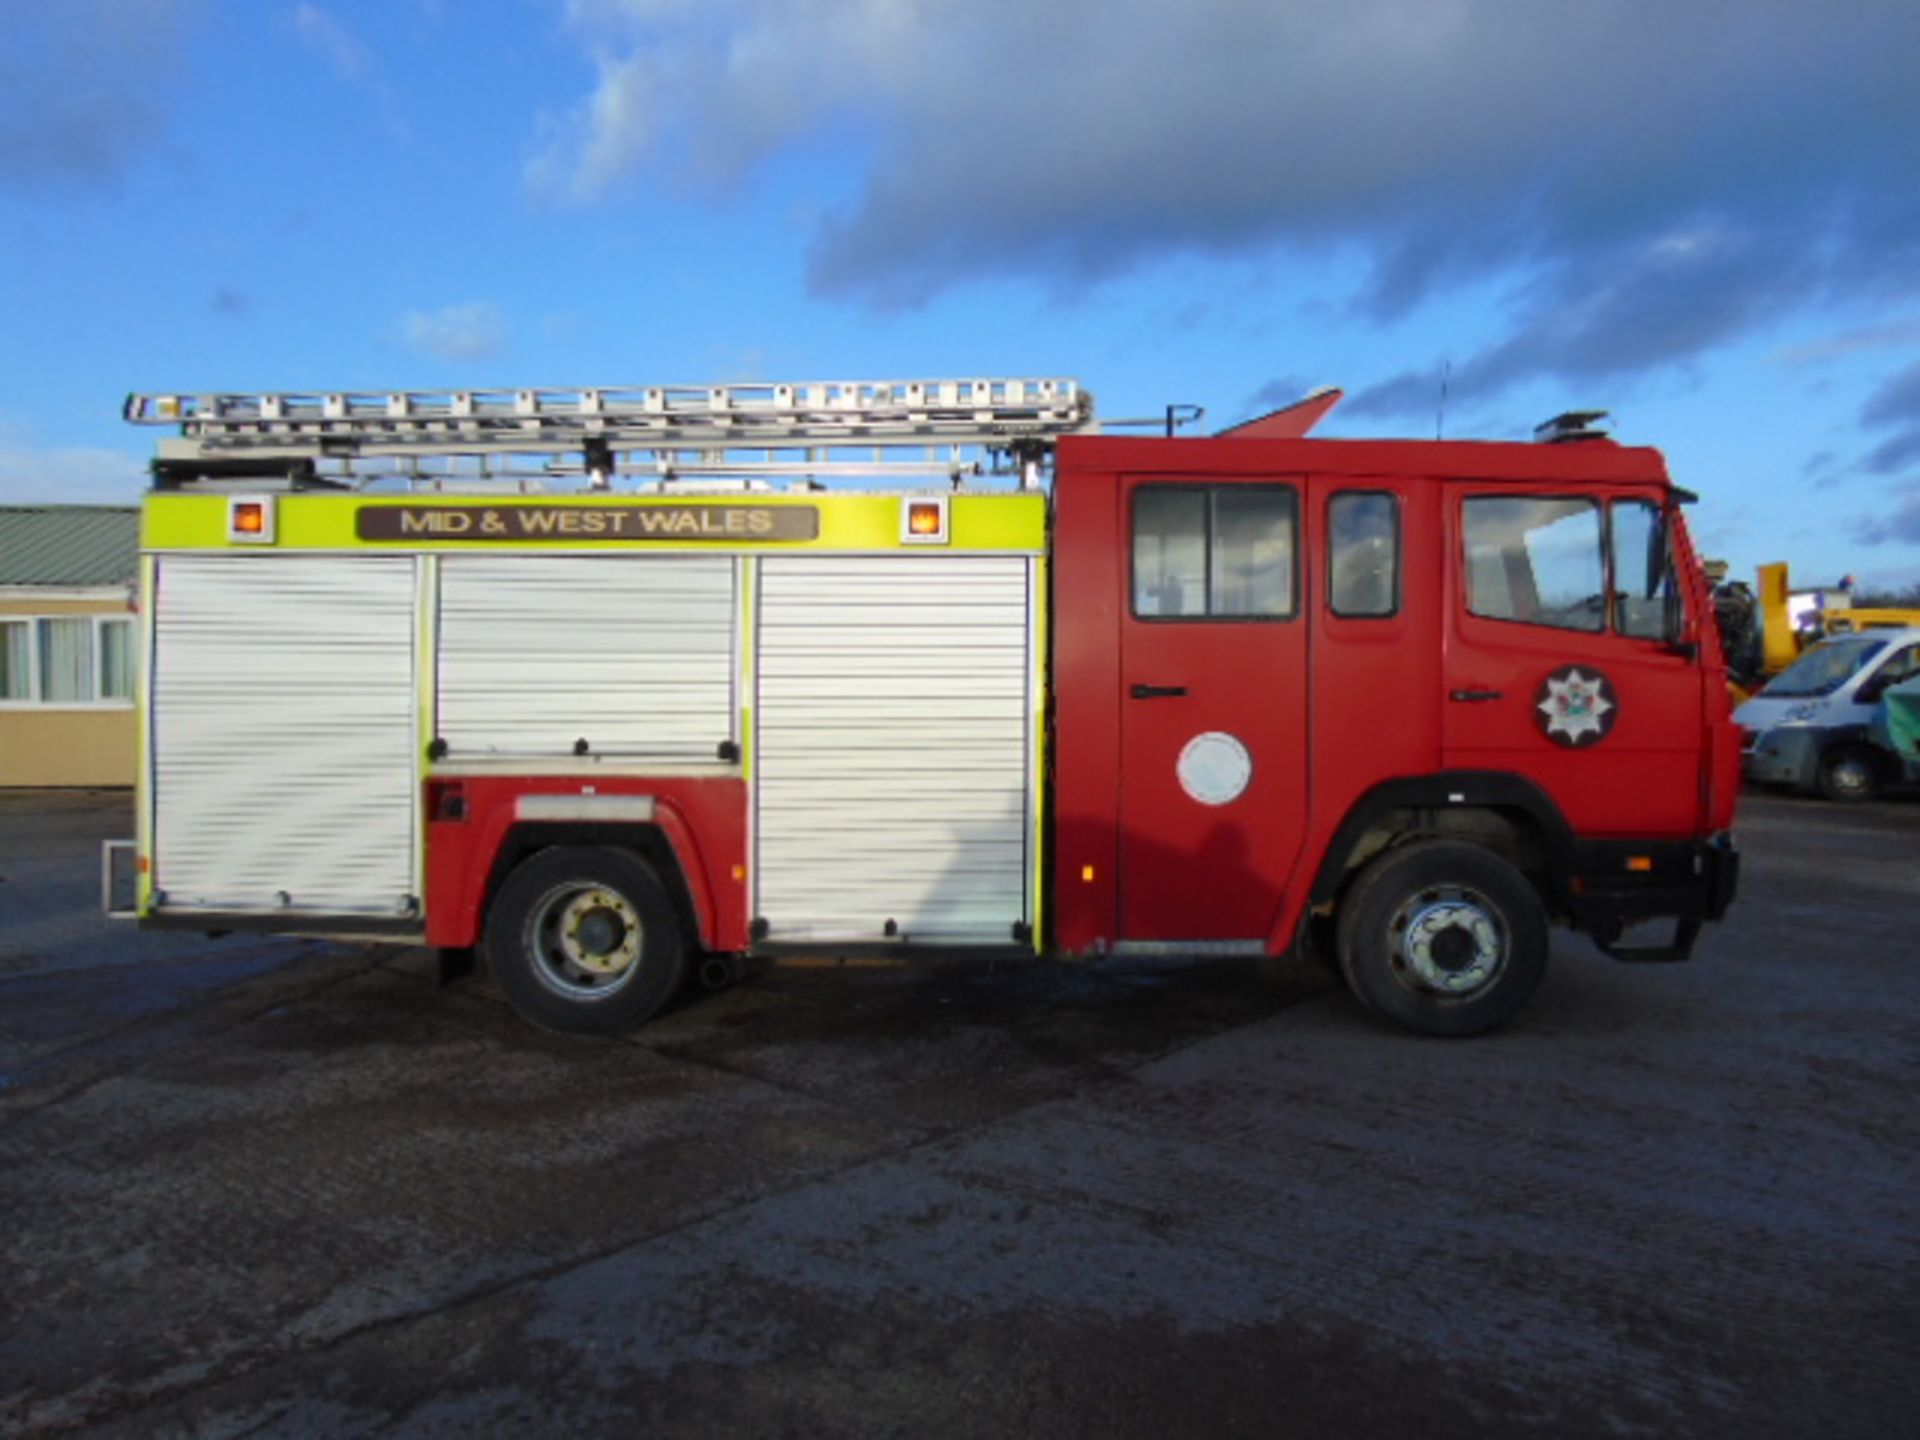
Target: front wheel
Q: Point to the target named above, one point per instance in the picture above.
(1848, 773)
(585, 938)
(1442, 938)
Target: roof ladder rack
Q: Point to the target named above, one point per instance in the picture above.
(292, 434)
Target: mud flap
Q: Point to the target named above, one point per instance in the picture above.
(452, 963)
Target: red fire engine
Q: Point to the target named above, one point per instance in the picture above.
(1403, 703)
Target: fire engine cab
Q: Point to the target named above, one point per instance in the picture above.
(606, 684)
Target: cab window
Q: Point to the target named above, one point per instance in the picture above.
(1536, 560)
(1646, 603)
(1215, 552)
(1899, 669)
(1363, 554)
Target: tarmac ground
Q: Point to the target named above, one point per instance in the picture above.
(265, 1186)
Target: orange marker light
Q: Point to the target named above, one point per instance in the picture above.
(250, 519)
(923, 521)
(1640, 864)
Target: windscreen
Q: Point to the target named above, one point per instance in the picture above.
(1824, 668)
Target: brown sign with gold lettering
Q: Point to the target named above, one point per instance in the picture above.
(737, 524)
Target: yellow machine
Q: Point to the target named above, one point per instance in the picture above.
(1790, 620)
(1763, 632)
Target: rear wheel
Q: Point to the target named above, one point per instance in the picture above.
(585, 939)
(1442, 938)
(1848, 773)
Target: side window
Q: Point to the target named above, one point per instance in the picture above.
(1363, 554)
(1645, 600)
(1536, 560)
(116, 660)
(66, 660)
(1898, 669)
(16, 660)
(1222, 552)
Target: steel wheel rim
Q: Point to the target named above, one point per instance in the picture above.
(586, 940)
(1450, 941)
(1849, 775)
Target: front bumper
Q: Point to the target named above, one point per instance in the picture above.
(1786, 755)
(1617, 883)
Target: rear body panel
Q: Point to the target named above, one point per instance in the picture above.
(832, 732)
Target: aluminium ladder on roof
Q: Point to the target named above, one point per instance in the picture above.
(278, 432)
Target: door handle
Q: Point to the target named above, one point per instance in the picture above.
(1158, 692)
(1472, 696)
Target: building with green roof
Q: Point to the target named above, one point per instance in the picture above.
(69, 644)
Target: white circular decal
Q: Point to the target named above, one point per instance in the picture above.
(1214, 768)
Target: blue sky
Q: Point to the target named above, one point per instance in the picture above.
(1702, 215)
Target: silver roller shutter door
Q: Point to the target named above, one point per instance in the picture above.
(633, 654)
(892, 738)
(283, 693)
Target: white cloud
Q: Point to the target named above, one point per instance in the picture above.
(475, 330)
(587, 154)
(35, 475)
(1892, 334)
(1650, 181)
(722, 83)
(356, 63)
(322, 33)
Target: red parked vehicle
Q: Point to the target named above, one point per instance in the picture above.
(1404, 703)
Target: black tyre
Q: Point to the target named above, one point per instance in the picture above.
(1442, 938)
(585, 939)
(1848, 773)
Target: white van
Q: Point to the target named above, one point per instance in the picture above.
(1808, 728)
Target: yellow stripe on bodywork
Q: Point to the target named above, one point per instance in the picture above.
(848, 522)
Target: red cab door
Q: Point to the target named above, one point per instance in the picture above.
(1561, 662)
(1213, 706)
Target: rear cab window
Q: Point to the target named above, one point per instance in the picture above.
(1214, 552)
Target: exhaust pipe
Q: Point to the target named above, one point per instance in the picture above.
(716, 972)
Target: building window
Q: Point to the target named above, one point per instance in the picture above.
(16, 660)
(66, 661)
(116, 660)
(1213, 552)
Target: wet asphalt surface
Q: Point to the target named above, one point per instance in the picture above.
(288, 1188)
